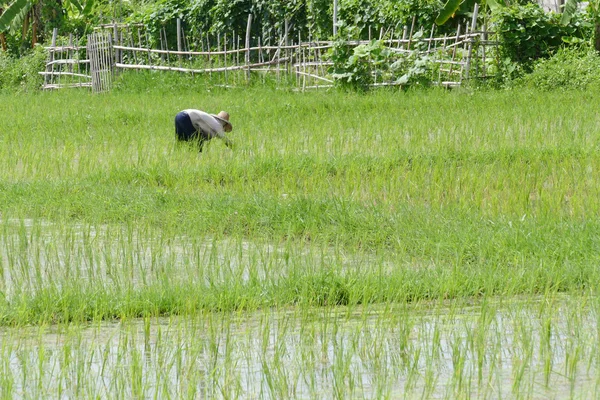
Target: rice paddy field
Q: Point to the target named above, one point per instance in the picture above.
(386, 245)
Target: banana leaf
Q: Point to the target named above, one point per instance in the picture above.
(569, 11)
(15, 10)
(448, 11)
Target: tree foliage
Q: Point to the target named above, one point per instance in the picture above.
(528, 33)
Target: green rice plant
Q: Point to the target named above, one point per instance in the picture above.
(278, 353)
(350, 246)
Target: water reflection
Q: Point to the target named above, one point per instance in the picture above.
(35, 254)
(529, 348)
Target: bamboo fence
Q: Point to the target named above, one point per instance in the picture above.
(234, 59)
(67, 65)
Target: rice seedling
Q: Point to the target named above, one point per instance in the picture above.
(268, 354)
(350, 246)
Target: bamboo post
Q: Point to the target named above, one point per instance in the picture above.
(335, 11)
(94, 55)
(373, 69)
(233, 54)
(48, 78)
(454, 48)
(186, 42)
(60, 57)
(103, 62)
(131, 43)
(148, 48)
(99, 55)
(225, 56)
(248, 47)
(179, 39)
(298, 59)
(237, 54)
(433, 58)
(260, 57)
(201, 41)
(121, 44)
(317, 60)
(89, 52)
(115, 41)
(162, 47)
(483, 40)
(139, 37)
(412, 28)
(209, 60)
(444, 51)
(471, 40)
(77, 58)
(462, 60)
(187, 47)
(164, 29)
(303, 66)
(54, 38)
(286, 44)
(430, 38)
(107, 65)
(278, 58)
(70, 52)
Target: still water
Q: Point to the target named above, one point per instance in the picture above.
(534, 348)
(540, 348)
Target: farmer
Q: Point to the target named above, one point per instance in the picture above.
(196, 125)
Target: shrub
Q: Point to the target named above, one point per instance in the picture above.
(22, 73)
(307, 17)
(357, 67)
(569, 68)
(528, 33)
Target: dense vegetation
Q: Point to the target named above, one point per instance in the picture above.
(384, 244)
(381, 200)
(527, 34)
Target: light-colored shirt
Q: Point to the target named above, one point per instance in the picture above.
(207, 124)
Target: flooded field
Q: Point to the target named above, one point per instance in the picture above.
(445, 254)
(324, 343)
(527, 348)
(36, 254)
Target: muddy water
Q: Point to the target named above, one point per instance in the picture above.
(37, 254)
(532, 348)
(524, 348)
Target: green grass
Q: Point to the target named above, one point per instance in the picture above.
(351, 246)
(328, 198)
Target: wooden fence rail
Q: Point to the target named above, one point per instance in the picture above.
(233, 59)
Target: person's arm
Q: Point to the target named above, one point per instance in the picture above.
(220, 133)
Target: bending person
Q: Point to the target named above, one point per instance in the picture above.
(196, 125)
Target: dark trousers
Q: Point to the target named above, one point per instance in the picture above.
(185, 131)
(184, 128)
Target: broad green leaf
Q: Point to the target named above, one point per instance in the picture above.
(17, 22)
(89, 4)
(494, 5)
(77, 5)
(448, 11)
(10, 13)
(569, 11)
